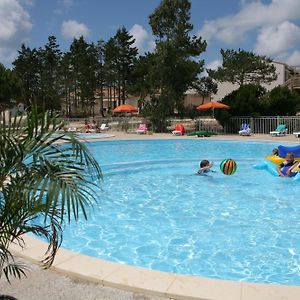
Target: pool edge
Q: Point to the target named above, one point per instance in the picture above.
(152, 282)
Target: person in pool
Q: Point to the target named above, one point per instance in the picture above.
(275, 152)
(205, 167)
(284, 169)
(296, 166)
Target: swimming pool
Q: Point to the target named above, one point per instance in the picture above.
(155, 213)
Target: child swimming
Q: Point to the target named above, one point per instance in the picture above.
(205, 167)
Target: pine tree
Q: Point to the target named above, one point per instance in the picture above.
(50, 63)
(126, 56)
(243, 67)
(174, 66)
(26, 67)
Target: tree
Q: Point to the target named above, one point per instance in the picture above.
(42, 183)
(244, 67)
(10, 88)
(245, 101)
(84, 64)
(205, 86)
(174, 66)
(126, 56)
(26, 67)
(110, 69)
(281, 101)
(66, 84)
(100, 73)
(49, 71)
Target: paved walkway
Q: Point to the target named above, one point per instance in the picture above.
(47, 284)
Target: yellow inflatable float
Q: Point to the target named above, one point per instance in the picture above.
(282, 151)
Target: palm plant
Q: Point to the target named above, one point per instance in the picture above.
(43, 183)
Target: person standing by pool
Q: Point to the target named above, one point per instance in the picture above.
(205, 167)
(284, 169)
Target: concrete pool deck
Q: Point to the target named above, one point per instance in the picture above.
(149, 282)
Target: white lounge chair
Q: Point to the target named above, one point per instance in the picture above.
(281, 130)
(72, 129)
(103, 127)
(296, 134)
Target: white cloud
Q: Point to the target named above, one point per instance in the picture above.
(214, 65)
(74, 29)
(273, 40)
(251, 16)
(15, 24)
(143, 39)
(294, 59)
(139, 34)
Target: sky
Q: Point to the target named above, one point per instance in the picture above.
(266, 27)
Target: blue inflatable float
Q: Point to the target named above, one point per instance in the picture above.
(271, 169)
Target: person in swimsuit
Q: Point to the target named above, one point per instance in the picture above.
(205, 166)
(284, 169)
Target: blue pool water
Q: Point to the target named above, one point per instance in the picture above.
(154, 212)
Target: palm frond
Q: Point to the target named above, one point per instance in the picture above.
(46, 178)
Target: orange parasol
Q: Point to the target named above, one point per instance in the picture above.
(211, 104)
(125, 108)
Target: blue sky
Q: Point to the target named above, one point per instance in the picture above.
(267, 27)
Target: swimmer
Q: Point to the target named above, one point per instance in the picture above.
(205, 167)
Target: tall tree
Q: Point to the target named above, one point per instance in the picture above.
(100, 74)
(26, 66)
(244, 67)
(176, 66)
(66, 84)
(125, 59)
(49, 64)
(83, 60)
(110, 70)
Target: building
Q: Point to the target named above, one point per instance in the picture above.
(286, 76)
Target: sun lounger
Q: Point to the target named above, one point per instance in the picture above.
(103, 127)
(142, 129)
(179, 130)
(72, 129)
(296, 134)
(281, 130)
(245, 129)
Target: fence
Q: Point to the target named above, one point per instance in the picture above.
(260, 125)
(263, 125)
